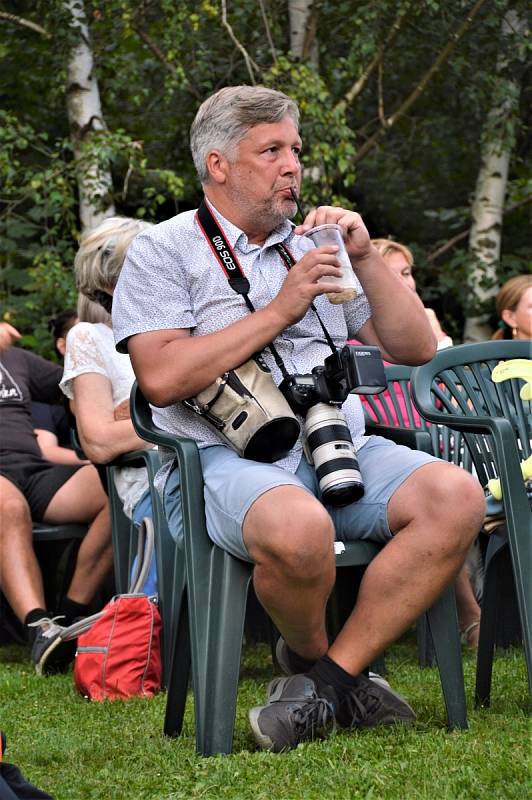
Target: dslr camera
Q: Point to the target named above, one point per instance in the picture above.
(318, 398)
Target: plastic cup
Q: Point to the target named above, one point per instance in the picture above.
(331, 234)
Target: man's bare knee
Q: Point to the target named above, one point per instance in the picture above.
(15, 515)
(441, 495)
(292, 533)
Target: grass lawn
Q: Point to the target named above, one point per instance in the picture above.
(74, 749)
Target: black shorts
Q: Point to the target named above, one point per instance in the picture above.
(37, 479)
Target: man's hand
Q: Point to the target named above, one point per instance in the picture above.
(356, 236)
(8, 336)
(301, 285)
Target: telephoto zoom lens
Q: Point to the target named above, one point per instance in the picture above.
(331, 448)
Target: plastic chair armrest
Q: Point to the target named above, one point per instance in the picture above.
(416, 439)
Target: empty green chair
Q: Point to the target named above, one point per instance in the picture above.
(455, 389)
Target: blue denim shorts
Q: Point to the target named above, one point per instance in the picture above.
(232, 484)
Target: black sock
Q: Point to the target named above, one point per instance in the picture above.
(71, 610)
(327, 673)
(297, 663)
(35, 614)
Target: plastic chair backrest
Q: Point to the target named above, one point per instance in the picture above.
(394, 408)
(456, 389)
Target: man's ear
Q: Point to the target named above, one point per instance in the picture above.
(217, 166)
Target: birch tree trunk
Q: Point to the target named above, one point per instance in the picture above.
(488, 203)
(303, 40)
(304, 44)
(85, 117)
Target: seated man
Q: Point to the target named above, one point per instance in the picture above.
(33, 489)
(175, 310)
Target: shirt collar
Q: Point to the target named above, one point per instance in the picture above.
(237, 238)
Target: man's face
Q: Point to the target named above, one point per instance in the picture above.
(265, 168)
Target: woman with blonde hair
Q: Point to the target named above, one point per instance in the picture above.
(514, 307)
(401, 261)
(97, 379)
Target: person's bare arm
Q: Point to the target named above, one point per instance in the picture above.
(398, 325)
(51, 450)
(172, 365)
(101, 435)
(8, 336)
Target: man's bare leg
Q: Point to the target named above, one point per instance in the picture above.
(82, 499)
(20, 574)
(436, 514)
(467, 607)
(289, 535)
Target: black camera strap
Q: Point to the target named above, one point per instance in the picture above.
(228, 261)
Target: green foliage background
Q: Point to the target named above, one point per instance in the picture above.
(156, 60)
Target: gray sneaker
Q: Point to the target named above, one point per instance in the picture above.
(294, 713)
(371, 703)
(50, 652)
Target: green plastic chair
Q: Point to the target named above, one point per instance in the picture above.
(394, 408)
(455, 389)
(56, 547)
(210, 614)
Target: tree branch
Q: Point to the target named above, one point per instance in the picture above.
(268, 32)
(409, 101)
(250, 64)
(25, 23)
(155, 49)
(465, 233)
(160, 56)
(311, 27)
(359, 84)
(380, 100)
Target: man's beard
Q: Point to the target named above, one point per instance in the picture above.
(267, 213)
(272, 212)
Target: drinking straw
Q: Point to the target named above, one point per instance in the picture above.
(297, 201)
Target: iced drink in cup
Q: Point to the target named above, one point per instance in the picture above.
(325, 236)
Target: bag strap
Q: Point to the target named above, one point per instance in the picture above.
(145, 548)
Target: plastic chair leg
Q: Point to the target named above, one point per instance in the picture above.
(487, 634)
(216, 691)
(179, 673)
(425, 648)
(443, 626)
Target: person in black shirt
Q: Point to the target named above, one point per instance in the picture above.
(50, 422)
(33, 489)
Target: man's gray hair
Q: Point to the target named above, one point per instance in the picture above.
(224, 119)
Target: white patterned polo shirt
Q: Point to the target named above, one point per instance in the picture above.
(171, 279)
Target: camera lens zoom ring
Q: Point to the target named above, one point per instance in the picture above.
(328, 433)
